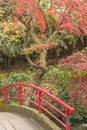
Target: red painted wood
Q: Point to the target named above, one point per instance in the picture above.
(67, 120)
(20, 94)
(39, 100)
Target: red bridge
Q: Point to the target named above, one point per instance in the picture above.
(40, 99)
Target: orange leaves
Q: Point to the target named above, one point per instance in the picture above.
(41, 35)
(76, 19)
(30, 8)
(67, 22)
(72, 14)
(41, 21)
(69, 14)
(23, 7)
(20, 7)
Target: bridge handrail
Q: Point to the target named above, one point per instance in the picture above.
(40, 100)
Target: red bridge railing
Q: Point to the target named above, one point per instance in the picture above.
(20, 91)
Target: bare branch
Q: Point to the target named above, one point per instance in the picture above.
(34, 36)
(33, 64)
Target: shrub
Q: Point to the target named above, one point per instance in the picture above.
(59, 78)
(72, 88)
(77, 63)
(15, 77)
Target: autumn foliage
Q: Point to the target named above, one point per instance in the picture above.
(78, 93)
(77, 63)
(73, 15)
(70, 15)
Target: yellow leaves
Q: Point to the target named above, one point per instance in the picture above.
(13, 35)
(11, 28)
(13, 39)
(8, 27)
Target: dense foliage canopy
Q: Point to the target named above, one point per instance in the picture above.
(44, 21)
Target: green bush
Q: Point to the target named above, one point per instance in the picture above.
(2, 76)
(15, 77)
(59, 76)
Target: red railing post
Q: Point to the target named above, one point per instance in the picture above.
(39, 101)
(6, 95)
(20, 94)
(67, 120)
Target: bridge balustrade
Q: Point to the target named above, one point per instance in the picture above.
(41, 99)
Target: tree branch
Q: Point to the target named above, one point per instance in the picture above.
(34, 65)
(52, 36)
(57, 30)
(34, 36)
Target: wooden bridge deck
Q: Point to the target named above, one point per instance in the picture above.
(11, 121)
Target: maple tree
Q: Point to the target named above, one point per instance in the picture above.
(76, 64)
(68, 15)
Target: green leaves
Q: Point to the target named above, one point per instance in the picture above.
(9, 39)
(14, 77)
(44, 4)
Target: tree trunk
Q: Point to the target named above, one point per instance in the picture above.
(40, 66)
(38, 74)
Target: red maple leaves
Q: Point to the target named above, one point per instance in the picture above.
(72, 14)
(41, 21)
(78, 93)
(30, 8)
(77, 63)
(25, 7)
